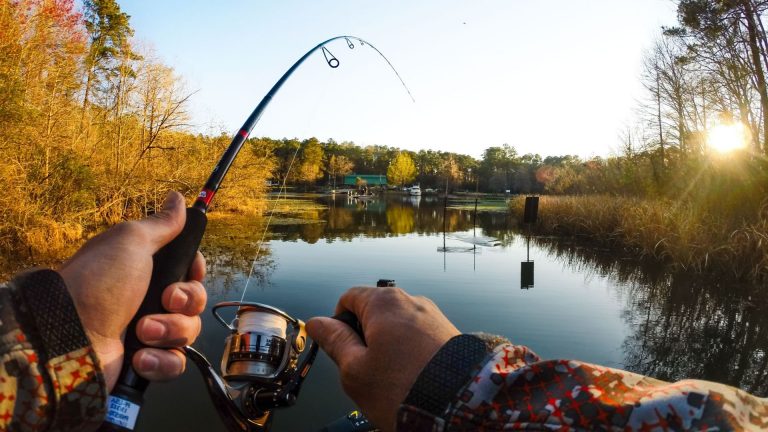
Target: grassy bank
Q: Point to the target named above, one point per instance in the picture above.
(678, 234)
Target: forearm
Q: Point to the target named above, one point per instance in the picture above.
(511, 388)
(49, 376)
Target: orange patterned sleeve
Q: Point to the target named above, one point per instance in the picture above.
(50, 378)
(468, 386)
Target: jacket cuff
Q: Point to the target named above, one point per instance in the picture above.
(47, 315)
(439, 383)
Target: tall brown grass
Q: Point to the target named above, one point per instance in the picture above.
(678, 234)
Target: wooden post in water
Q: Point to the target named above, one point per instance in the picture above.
(445, 213)
(531, 212)
(530, 215)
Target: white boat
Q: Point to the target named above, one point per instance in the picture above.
(414, 190)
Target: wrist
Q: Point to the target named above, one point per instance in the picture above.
(447, 371)
(65, 357)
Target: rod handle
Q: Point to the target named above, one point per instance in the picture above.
(351, 320)
(170, 264)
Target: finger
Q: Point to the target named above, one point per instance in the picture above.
(354, 300)
(186, 298)
(360, 300)
(197, 269)
(168, 330)
(158, 364)
(165, 225)
(337, 339)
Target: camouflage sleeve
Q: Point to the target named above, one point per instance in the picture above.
(50, 378)
(510, 388)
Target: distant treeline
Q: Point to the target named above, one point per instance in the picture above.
(95, 130)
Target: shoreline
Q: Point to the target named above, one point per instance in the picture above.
(673, 234)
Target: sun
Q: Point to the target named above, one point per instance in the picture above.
(725, 138)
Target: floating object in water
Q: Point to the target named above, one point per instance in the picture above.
(459, 249)
(476, 240)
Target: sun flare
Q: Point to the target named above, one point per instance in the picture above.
(725, 138)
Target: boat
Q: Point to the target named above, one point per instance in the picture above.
(414, 190)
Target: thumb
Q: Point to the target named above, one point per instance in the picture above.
(165, 225)
(337, 339)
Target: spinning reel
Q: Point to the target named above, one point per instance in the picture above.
(260, 367)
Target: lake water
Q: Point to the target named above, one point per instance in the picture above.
(584, 304)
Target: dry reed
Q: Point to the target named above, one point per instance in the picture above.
(681, 236)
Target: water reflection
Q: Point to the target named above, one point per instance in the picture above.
(678, 326)
(588, 304)
(232, 248)
(386, 216)
(688, 328)
(682, 326)
(527, 269)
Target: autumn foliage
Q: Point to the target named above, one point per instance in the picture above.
(93, 130)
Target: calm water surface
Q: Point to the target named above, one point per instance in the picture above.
(583, 304)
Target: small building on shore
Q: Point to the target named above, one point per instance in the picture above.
(369, 179)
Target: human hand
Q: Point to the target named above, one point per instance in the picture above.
(402, 333)
(108, 278)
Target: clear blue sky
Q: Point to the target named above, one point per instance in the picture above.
(549, 77)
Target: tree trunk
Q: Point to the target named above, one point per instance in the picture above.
(86, 94)
(658, 114)
(754, 48)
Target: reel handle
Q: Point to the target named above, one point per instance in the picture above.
(351, 320)
(170, 264)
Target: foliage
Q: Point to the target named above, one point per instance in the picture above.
(339, 165)
(310, 161)
(402, 170)
(93, 132)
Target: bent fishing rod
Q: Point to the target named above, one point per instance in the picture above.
(262, 367)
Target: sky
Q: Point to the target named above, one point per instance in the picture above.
(550, 77)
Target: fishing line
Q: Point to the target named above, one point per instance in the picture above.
(281, 193)
(266, 227)
(333, 63)
(244, 398)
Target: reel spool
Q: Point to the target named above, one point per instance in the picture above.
(260, 366)
(264, 345)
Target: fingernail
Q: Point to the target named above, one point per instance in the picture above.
(153, 331)
(148, 362)
(179, 300)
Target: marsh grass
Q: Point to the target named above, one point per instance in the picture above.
(683, 236)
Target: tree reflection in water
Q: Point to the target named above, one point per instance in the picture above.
(401, 219)
(682, 326)
(390, 216)
(230, 245)
(679, 327)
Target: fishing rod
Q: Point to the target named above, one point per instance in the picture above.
(261, 368)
